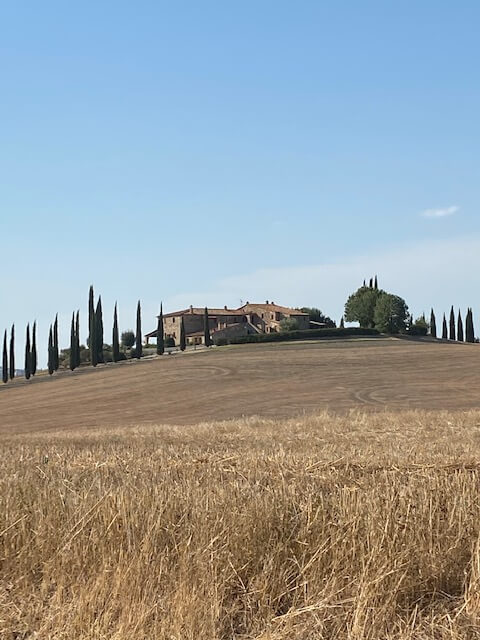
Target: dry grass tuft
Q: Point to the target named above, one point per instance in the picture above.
(358, 527)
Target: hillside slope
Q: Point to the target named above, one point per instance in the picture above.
(271, 380)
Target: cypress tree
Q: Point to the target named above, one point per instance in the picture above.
(99, 330)
(433, 324)
(138, 338)
(51, 357)
(460, 327)
(34, 349)
(469, 330)
(77, 340)
(115, 340)
(5, 359)
(444, 329)
(371, 283)
(206, 329)
(342, 323)
(452, 324)
(376, 282)
(160, 336)
(183, 339)
(28, 355)
(92, 343)
(12, 353)
(364, 283)
(73, 344)
(56, 360)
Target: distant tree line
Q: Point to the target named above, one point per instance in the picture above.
(375, 308)
(370, 306)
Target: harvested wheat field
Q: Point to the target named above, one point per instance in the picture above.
(354, 526)
(273, 380)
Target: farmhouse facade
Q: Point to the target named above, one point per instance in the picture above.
(228, 323)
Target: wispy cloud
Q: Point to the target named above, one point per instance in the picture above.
(440, 213)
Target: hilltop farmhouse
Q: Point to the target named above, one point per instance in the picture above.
(229, 323)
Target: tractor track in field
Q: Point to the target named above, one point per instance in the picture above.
(273, 380)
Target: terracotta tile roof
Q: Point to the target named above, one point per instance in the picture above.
(271, 307)
(199, 311)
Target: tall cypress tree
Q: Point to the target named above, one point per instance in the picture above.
(371, 283)
(28, 355)
(444, 329)
(469, 329)
(138, 338)
(183, 339)
(92, 342)
(12, 353)
(206, 329)
(51, 357)
(77, 338)
(160, 338)
(459, 327)
(56, 360)
(342, 323)
(376, 283)
(433, 324)
(115, 340)
(34, 349)
(5, 359)
(99, 330)
(452, 324)
(73, 345)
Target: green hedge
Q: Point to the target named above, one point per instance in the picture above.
(305, 335)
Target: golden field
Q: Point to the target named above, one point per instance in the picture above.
(355, 526)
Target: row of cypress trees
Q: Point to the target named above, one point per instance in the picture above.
(8, 354)
(95, 340)
(454, 329)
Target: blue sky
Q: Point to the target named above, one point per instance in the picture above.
(215, 152)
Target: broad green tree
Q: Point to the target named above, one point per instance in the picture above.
(360, 306)
(316, 315)
(391, 313)
(288, 324)
(128, 339)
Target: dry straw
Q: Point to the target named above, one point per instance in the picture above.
(361, 526)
